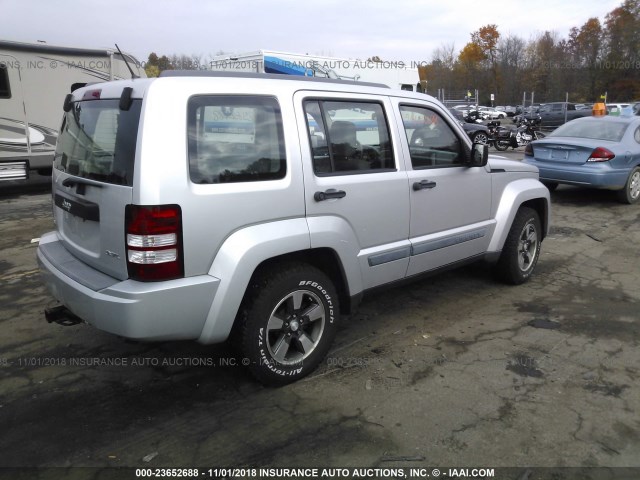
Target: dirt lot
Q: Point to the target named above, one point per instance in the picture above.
(456, 370)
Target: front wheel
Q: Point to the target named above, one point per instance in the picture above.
(539, 135)
(521, 249)
(288, 322)
(631, 192)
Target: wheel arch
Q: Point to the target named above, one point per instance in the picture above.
(542, 208)
(324, 259)
(523, 192)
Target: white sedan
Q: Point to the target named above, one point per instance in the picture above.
(492, 113)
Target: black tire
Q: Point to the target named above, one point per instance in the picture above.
(630, 194)
(521, 249)
(502, 145)
(288, 321)
(481, 138)
(551, 186)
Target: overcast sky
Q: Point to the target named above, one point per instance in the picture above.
(408, 30)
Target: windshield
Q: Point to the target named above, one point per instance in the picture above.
(596, 130)
(98, 141)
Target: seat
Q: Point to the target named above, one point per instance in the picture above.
(344, 145)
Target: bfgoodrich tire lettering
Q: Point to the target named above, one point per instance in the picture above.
(288, 322)
(521, 249)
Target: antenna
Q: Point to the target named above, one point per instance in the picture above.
(133, 75)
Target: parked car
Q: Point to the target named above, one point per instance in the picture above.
(492, 113)
(602, 152)
(617, 108)
(464, 109)
(555, 114)
(478, 132)
(510, 110)
(200, 205)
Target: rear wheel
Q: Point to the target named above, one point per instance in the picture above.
(502, 145)
(631, 191)
(288, 322)
(521, 249)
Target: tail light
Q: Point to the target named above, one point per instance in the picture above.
(601, 154)
(528, 150)
(154, 242)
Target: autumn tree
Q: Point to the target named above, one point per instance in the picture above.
(486, 38)
(469, 62)
(155, 65)
(622, 45)
(587, 47)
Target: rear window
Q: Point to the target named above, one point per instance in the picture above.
(596, 130)
(235, 139)
(98, 141)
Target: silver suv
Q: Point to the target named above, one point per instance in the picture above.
(204, 206)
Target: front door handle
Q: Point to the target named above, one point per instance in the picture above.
(328, 194)
(423, 184)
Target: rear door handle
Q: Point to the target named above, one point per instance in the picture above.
(328, 194)
(422, 184)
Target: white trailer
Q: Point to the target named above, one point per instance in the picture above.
(390, 73)
(34, 80)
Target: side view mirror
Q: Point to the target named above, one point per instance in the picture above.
(479, 155)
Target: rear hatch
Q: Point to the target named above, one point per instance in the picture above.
(93, 178)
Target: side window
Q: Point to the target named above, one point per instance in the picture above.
(557, 107)
(348, 136)
(235, 139)
(5, 91)
(432, 142)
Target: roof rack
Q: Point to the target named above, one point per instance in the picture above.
(273, 76)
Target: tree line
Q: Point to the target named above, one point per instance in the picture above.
(592, 59)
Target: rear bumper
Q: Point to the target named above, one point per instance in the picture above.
(170, 310)
(596, 175)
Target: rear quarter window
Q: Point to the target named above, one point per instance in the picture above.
(235, 139)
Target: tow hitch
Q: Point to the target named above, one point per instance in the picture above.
(62, 316)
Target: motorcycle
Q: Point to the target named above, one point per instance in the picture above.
(526, 131)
